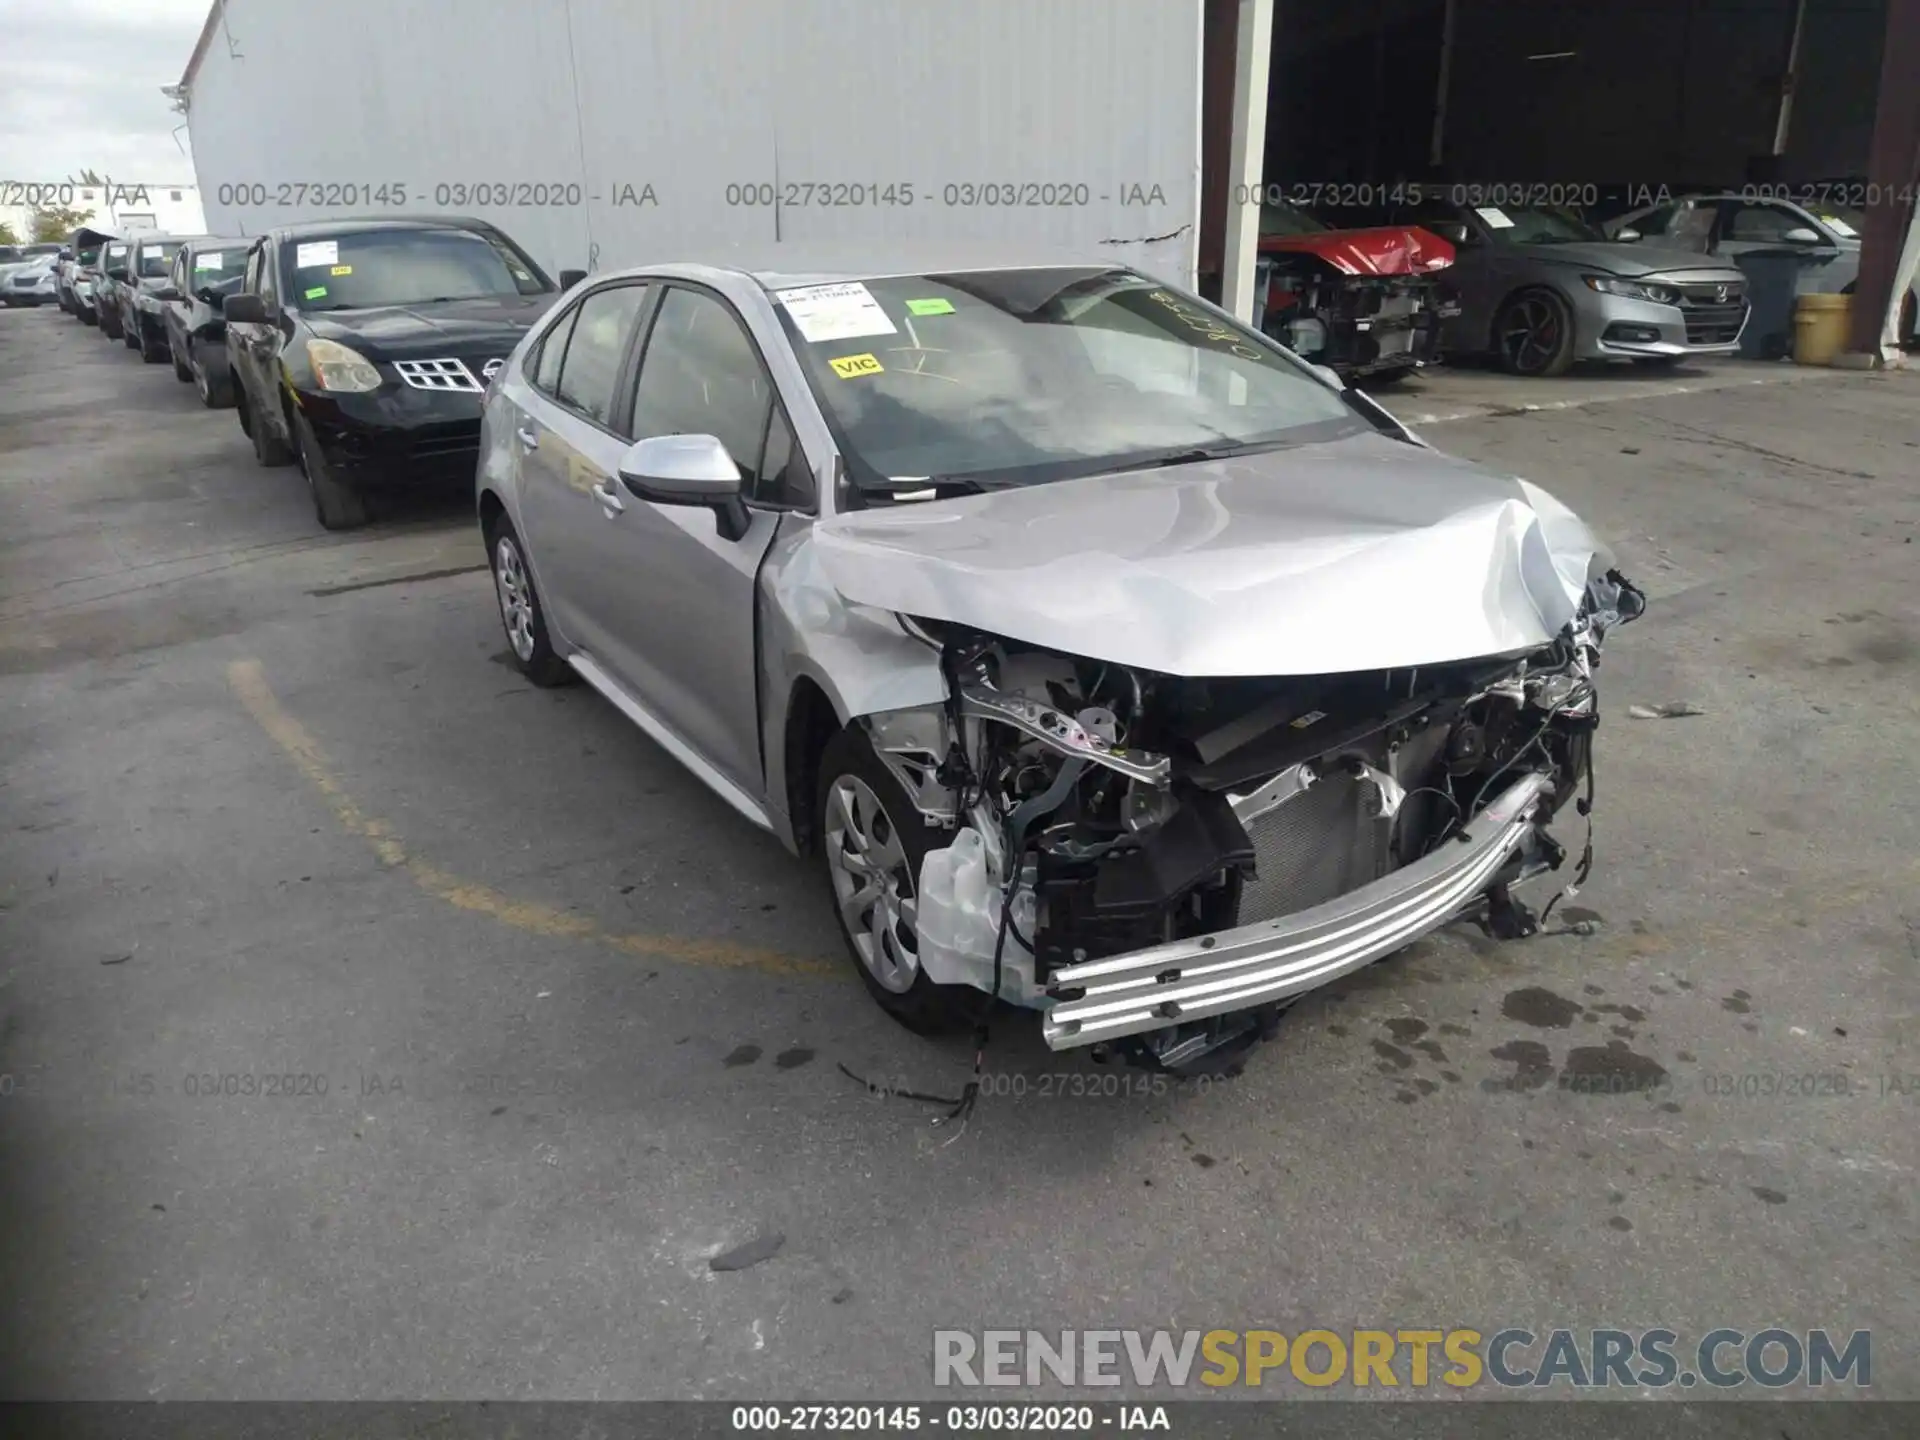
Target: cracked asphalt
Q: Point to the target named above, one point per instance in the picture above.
(375, 1026)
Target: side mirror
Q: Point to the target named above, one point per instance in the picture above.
(571, 278)
(1626, 233)
(1801, 235)
(208, 296)
(244, 310)
(166, 294)
(687, 470)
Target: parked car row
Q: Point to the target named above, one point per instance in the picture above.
(1385, 289)
(357, 349)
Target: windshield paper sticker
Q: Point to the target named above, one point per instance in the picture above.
(316, 293)
(1839, 227)
(836, 312)
(210, 261)
(848, 366)
(1494, 216)
(316, 252)
(930, 307)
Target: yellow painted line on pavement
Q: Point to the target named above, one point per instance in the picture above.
(249, 683)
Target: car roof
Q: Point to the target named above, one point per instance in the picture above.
(353, 224)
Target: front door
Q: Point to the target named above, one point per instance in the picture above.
(684, 617)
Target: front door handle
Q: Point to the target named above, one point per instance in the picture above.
(528, 438)
(609, 498)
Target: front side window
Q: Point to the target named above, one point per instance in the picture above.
(115, 260)
(367, 269)
(702, 376)
(1764, 223)
(1015, 377)
(591, 367)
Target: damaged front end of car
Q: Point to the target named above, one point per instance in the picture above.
(1162, 863)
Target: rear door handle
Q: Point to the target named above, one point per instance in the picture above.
(609, 498)
(528, 438)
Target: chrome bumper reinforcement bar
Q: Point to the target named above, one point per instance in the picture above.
(1258, 964)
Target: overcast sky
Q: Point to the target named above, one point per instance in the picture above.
(80, 88)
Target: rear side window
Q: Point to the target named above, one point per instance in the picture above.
(545, 370)
(595, 349)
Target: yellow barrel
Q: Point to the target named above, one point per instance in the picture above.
(1820, 327)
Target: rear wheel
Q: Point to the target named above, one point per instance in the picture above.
(151, 350)
(873, 841)
(1533, 334)
(336, 503)
(520, 612)
(130, 333)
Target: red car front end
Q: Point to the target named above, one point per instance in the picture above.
(1365, 303)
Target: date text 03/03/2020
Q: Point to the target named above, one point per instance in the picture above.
(384, 194)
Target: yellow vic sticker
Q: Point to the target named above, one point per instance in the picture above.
(848, 366)
(342, 270)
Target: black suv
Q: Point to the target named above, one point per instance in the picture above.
(362, 348)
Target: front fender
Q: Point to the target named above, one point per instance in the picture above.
(862, 659)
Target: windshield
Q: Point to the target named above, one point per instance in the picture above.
(1286, 220)
(154, 259)
(88, 255)
(9, 253)
(405, 267)
(210, 267)
(1013, 377)
(1534, 225)
(115, 258)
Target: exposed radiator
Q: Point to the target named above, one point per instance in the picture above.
(1318, 845)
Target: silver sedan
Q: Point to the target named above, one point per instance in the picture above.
(1102, 655)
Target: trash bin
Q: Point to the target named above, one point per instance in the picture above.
(1820, 325)
(1773, 281)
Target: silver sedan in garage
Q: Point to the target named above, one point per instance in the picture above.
(1101, 654)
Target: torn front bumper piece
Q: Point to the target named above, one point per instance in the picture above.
(1208, 975)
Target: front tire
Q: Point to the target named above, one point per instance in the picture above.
(1533, 335)
(872, 842)
(181, 370)
(336, 504)
(521, 613)
(216, 391)
(151, 353)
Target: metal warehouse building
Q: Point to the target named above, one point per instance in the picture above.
(603, 132)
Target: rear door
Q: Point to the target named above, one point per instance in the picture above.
(569, 448)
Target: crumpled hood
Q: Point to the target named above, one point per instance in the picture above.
(1382, 250)
(1357, 554)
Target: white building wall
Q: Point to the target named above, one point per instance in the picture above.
(169, 206)
(630, 119)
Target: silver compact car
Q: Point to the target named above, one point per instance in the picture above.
(1539, 289)
(1100, 653)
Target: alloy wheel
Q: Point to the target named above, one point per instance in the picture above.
(516, 596)
(872, 883)
(1531, 334)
